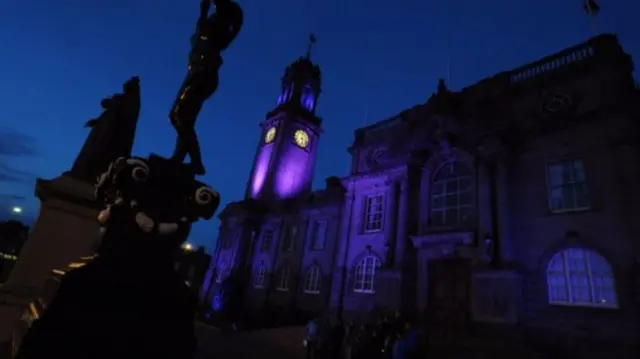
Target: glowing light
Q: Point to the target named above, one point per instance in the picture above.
(187, 246)
(16, 210)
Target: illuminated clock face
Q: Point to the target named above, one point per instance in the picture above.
(301, 138)
(271, 134)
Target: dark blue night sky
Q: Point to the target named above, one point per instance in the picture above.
(60, 58)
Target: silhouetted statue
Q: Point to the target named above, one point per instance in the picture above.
(213, 35)
(127, 301)
(112, 133)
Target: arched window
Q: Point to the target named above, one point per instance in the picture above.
(581, 277)
(452, 195)
(312, 280)
(283, 279)
(260, 277)
(365, 274)
(222, 272)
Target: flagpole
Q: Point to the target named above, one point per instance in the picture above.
(592, 18)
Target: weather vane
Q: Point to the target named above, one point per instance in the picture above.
(312, 41)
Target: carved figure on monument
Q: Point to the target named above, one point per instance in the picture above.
(213, 35)
(127, 300)
(112, 133)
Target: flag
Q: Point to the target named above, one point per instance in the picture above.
(591, 7)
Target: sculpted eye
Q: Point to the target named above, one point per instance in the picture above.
(205, 195)
(140, 171)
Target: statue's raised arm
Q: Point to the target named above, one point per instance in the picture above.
(205, 5)
(226, 22)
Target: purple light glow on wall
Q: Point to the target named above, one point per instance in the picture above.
(286, 94)
(261, 170)
(308, 100)
(293, 173)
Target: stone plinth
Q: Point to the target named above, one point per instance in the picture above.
(495, 294)
(66, 229)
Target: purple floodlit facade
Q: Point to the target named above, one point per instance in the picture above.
(511, 201)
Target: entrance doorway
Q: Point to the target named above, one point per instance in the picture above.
(449, 286)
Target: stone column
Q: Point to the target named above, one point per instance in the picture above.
(484, 212)
(389, 224)
(502, 174)
(342, 253)
(422, 295)
(424, 204)
(403, 215)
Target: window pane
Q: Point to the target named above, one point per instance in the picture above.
(577, 171)
(566, 173)
(451, 200)
(568, 197)
(438, 202)
(465, 199)
(465, 215)
(451, 186)
(555, 175)
(582, 195)
(465, 184)
(555, 198)
(437, 218)
(451, 216)
(454, 179)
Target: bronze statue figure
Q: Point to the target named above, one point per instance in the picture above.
(112, 133)
(213, 35)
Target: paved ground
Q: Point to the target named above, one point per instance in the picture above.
(282, 343)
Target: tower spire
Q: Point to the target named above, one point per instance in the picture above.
(312, 41)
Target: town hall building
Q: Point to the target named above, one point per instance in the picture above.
(513, 200)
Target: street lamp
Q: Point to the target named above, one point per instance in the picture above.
(187, 246)
(16, 210)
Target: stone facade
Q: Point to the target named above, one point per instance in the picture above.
(511, 201)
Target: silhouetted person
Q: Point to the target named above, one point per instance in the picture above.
(133, 306)
(213, 35)
(129, 302)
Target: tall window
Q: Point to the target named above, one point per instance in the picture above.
(580, 277)
(312, 280)
(222, 272)
(567, 186)
(452, 195)
(319, 235)
(267, 239)
(373, 213)
(283, 279)
(365, 274)
(260, 277)
(289, 239)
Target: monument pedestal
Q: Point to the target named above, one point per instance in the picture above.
(66, 230)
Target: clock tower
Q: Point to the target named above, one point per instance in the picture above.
(285, 158)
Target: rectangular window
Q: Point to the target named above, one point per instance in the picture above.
(288, 242)
(373, 213)
(267, 239)
(567, 186)
(319, 235)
